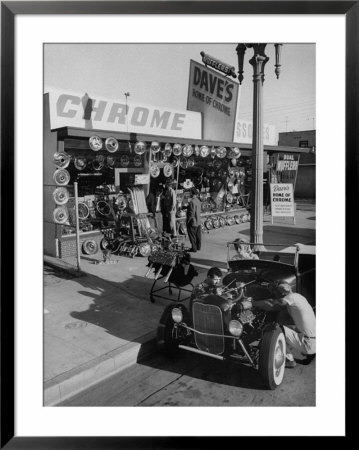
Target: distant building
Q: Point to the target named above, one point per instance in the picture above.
(304, 139)
(305, 185)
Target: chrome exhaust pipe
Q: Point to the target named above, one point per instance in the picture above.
(158, 273)
(149, 271)
(168, 275)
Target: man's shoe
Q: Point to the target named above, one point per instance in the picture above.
(192, 251)
(308, 359)
(290, 364)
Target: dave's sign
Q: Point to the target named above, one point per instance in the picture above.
(215, 96)
(282, 200)
(93, 112)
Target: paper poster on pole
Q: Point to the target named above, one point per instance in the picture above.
(282, 200)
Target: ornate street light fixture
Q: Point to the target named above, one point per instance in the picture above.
(258, 61)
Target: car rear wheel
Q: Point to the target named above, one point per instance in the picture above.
(167, 338)
(271, 364)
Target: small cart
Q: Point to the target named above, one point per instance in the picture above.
(173, 267)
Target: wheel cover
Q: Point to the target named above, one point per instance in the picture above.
(95, 143)
(155, 147)
(191, 162)
(121, 202)
(140, 148)
(111, 144)
(83, 210)
(187, 150)
(137, 161)
(61, 195)
(61, 177)
(124, 160)
(177, 149)
(167, 170)
(80, 162)
(145, 249)
(155, 171)
(204, 151)
(60, 215)
(90, 247)
(103, 208)
(279, 359)
(208, 224)
(168, 150)
(183, 162)
(61, 160)
(217, 164)
(110, 161)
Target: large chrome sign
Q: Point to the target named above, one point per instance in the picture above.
(84, 111)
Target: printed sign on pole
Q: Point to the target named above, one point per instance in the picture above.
(215, 96)
(282, 200)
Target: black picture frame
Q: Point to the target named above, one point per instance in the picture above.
(9, 10)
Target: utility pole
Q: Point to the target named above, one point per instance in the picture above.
(258, 62)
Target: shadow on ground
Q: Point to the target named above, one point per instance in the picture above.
(229, 373)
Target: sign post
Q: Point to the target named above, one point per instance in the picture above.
(78, 258)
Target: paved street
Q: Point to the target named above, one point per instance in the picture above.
(102, 322)
(192, 380)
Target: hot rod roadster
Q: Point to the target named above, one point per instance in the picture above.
(229, 324)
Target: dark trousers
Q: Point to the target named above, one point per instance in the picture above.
(195, 235)
(159, 222)
(166, 217)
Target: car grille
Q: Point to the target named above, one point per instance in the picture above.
(208, 319)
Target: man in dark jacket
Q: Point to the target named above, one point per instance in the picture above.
(193, 221)
(153, 202)
(168, 208)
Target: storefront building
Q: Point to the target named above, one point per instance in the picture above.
(306, 179)
(112, 157)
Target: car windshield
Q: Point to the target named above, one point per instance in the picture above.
(243, 250)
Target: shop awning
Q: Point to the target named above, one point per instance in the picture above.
(71, 132)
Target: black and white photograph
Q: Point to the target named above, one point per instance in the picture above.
(179, 224)
(176, 181)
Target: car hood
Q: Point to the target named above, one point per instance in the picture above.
(262, 273)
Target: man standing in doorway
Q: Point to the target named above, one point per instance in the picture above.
(193, 221)
(168, 209)
(153, 202)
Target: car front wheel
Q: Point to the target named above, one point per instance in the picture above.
(271, 364)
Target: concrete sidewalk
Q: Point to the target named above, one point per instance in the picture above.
(99, 321)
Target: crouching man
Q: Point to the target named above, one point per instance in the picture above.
(298, 320)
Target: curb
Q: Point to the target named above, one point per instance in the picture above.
(83, 377)
(63, 266)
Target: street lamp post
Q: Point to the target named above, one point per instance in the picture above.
(258, 61)
(127, 94)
